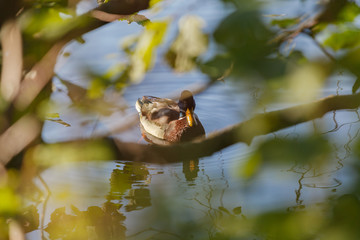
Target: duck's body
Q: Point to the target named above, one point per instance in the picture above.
(167, 120)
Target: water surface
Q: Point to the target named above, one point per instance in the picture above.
(137, 197)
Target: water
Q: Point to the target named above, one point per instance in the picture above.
(137, 197)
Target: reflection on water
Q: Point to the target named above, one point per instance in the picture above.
(114, 200)
(95, 222)
(132, 180)
(191, 169)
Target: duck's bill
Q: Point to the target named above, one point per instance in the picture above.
(190, 117)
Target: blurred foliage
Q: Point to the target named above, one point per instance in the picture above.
(47, 23)
(344, 38)
(349, 12)
(45, 155)
(10, 200)
(91, 99)
(345, 34)
(285, 22)
(246, 48)
(139, 19)
(189, 44)
(153, 2)
(94, 223)
(50, 3)
(313, 150)
(12, 207)
(143, 55)
(335, 219)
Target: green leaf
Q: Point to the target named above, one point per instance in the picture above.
(237, 210)
(285, 22)
(50, 3)
(153, 2)
(251, 167)
(349, 12)
(190, 43)
(302, 150)
(10, 202)
(52, 115)
(245, 41)
(139, 19)
(345, 38)
(217, 66)
(143, 56)
(49, 154)
(97, 88)
(50, 23)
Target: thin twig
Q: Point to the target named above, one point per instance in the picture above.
(322, 48)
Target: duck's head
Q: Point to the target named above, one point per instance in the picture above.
(187, 107)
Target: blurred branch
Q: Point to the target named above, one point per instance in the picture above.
(123, 7)
(12, 62)
(108, 17)
(15, 231)
(245, 131)
(27, 129)
(38, 77)
(292, 33)
(17, 137)
(260, 124)
(3, 173)
(110, 11)
(8, 9)
(42, 72)
(322, 48)
(329, 13)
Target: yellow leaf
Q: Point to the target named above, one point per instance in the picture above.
(252, 166)
(153, 2)
(190, 43)
(143, 57)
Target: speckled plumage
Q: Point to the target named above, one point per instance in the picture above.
(165, 119)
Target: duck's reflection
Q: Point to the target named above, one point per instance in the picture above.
(191, 169)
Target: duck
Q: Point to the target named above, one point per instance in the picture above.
(165, 121)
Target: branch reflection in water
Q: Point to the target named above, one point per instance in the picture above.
(128, 191)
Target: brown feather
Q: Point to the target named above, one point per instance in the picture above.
(163, 118)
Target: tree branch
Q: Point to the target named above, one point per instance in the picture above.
(42, 72)
(260, 124)
(12, 62)
(18, 136)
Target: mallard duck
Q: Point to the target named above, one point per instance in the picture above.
(163, 120)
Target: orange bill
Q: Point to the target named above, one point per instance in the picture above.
(190, 117)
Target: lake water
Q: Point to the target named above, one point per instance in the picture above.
(154, 200)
